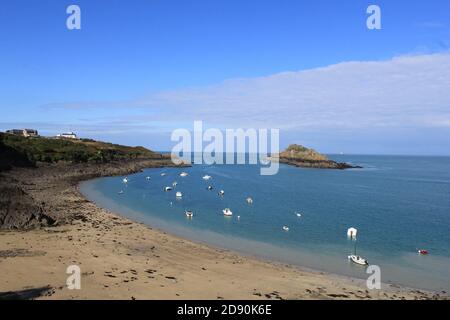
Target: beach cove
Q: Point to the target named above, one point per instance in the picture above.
(301, 216)
(123, 259)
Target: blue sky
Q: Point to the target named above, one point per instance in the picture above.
(139, 69)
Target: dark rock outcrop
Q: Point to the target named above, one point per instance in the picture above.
(18, 210)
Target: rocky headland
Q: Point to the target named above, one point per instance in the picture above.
(35, 171)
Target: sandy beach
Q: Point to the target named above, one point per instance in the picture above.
(121, 259)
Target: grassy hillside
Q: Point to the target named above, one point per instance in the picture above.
(21, 151)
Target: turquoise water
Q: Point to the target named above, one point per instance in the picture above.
(398, 204)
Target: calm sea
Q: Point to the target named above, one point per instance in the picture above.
(398, 204)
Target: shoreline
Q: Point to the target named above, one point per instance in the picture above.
(233, 251)
(182, 232)
(123, 259)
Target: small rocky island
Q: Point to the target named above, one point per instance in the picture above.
(300, 156)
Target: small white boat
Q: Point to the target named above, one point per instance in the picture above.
(358, 260)
(174, 184)
(299, 215)
(148, 178)
(210, 188)
(166, 189)
(227, 212)
(189, 213)
(163, 174)
(179, 194)
(206, 178)
(221, 193)
(285, 228)
(249, 200)
(125, 180)
(184, 174)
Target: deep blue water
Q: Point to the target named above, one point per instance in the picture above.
(398, 204)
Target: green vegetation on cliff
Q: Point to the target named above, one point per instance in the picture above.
(298, 152)
(21, 151)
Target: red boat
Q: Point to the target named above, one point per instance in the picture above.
(424, 252)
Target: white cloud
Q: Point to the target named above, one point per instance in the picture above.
(407, 91)
(401, 105)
